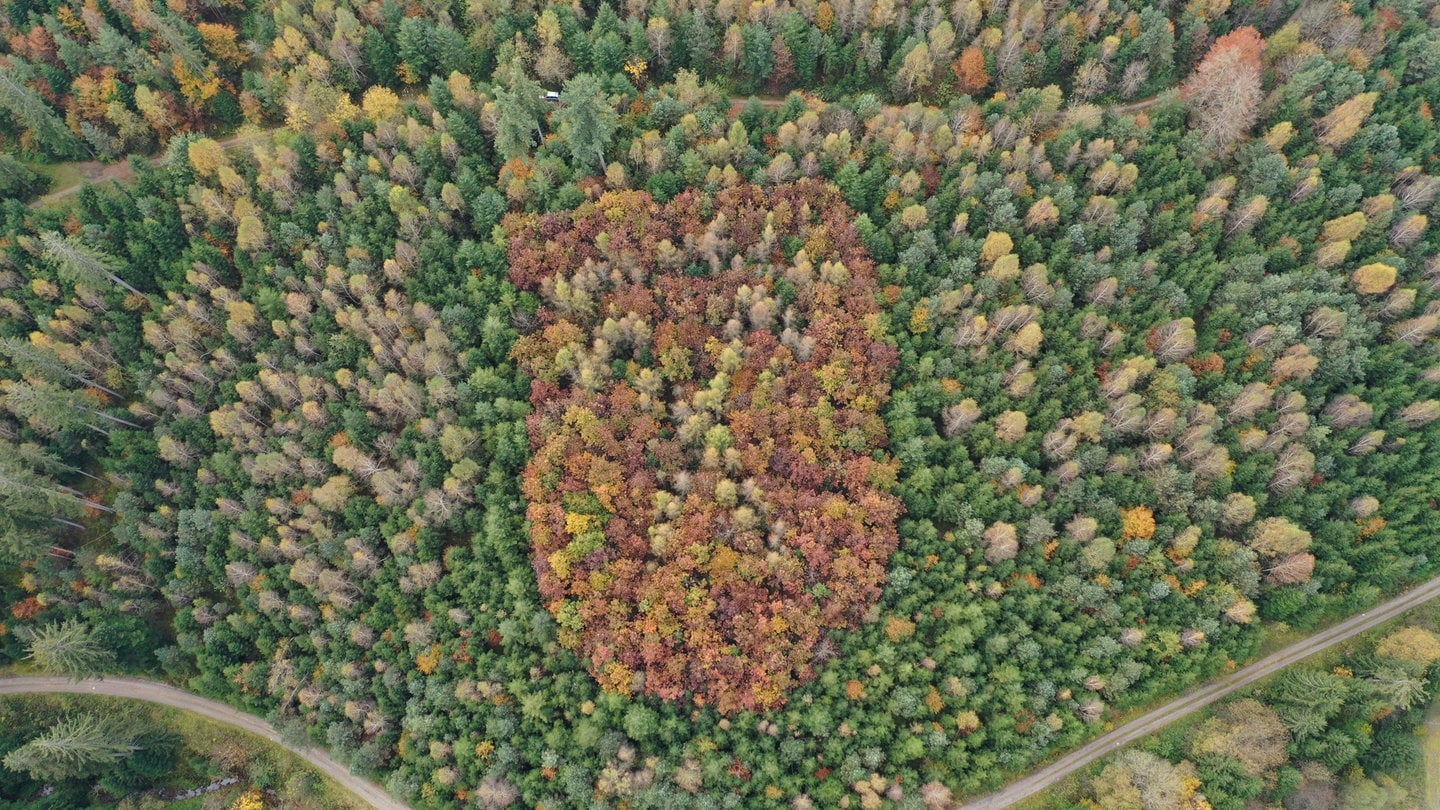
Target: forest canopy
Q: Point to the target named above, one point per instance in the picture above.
(708, 490)
(501, 396)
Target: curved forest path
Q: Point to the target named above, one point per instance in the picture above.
(1141, 104)
(1157, 719)
(91, 172)
(155, 692)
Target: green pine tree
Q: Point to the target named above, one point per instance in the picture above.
(586, 120)
(77, 746)
(69, 648)
(79, 263)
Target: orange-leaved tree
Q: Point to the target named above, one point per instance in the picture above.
(1224, 92)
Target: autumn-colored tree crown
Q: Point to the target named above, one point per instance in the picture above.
(1224, 92)
(708, 492)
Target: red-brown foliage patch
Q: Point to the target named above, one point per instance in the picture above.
(708, 494)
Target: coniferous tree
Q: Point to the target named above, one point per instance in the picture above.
(521, 110)
(53, 409)
(70, 648)
(79, 263)
(31, 112)
(586, 120)
(34, 359)
(74, 747)
(24, 489)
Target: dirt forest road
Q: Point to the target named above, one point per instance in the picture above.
(1142, 104)
(152, 692)
(93, 171)
(1200, 698)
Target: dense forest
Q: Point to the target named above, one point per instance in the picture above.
(649, 445)
(76, 84)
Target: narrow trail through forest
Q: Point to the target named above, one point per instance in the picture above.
(152, 692)
(1141, 104)
(738, 103)
(1201, 697)
(93, 171)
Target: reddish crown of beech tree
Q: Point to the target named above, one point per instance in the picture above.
(1224, 92)
(708, 494)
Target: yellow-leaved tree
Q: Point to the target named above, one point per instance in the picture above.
(1373, 279)
(1341, 123)
(1414, 644)
(379, 103)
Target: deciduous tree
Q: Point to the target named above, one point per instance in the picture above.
(1224, 92)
